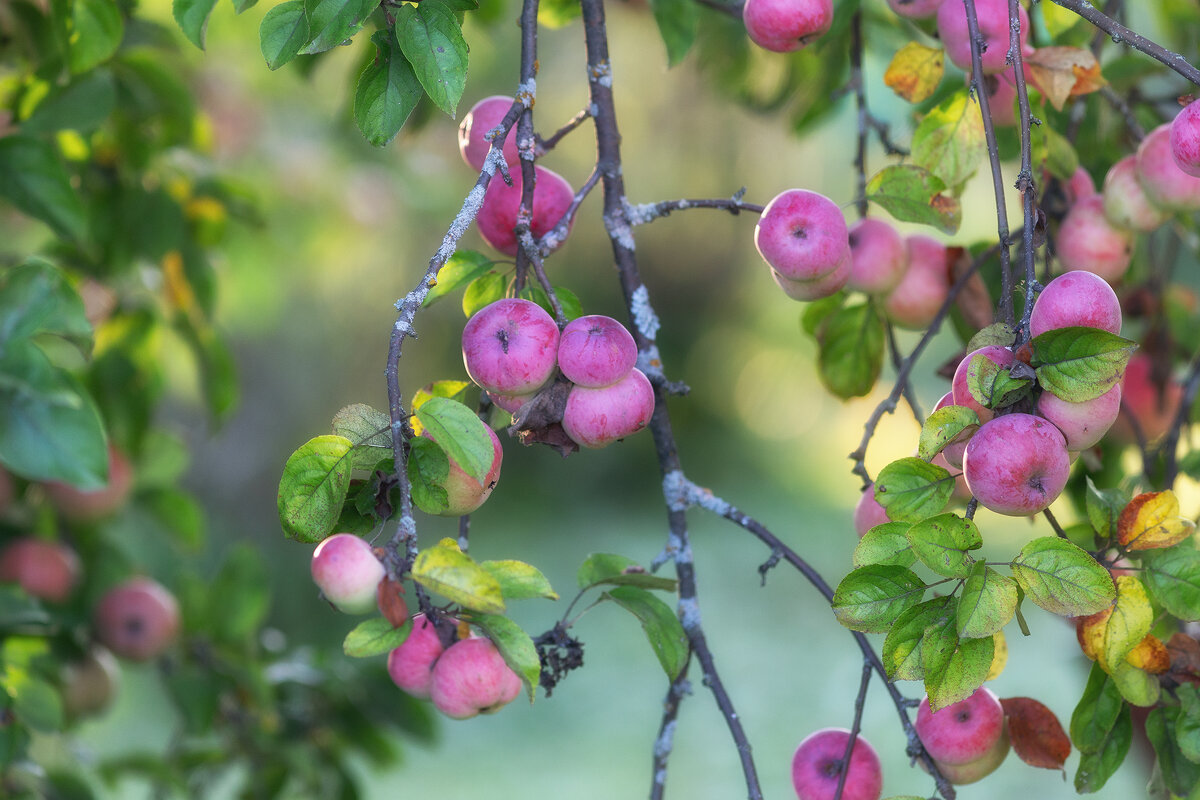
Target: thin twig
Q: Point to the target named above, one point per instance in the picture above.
(546, 145)
(1025, 182)
(859, 702)
(665, 743)
(1122, 35)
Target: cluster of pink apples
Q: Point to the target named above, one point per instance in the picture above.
(783, 26)
(967, 740)
(802, 235)
(552, 194)
(512, 348)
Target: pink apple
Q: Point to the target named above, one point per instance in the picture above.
(1185, 139)
(411, 664)
(1002, 97)
(819, 762)
(960, 385)
(961, 732)
(552, 196)
(90, 682)
(1165, 183)
(483, 117)
(345, 569)
(980, 768)
(1082, 424)
(509, 402)
(1088, 241)
(915, 9)
(464, 493)
(952, 454)
(137, 619)
(596, 351)
(878, 257)
(1153, 404)
(1076, 298)
(815, 289)
(598, 417)
(993, 27)
(1081, 185)
(868, 513)
(802, 235)
(1017, 464)
(510, 347)
(923, 289)
(44, 569)
(86, 506)
(471, 678)
(786, 25)
(1125, 202)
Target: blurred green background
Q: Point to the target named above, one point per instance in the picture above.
(307, 299)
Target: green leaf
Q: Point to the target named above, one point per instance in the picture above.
(432, 41)
(34, 180)
(885, 544)
(1097, 766)
(662, 627)
(457, 430)
(192, 16)
(1136, 686)
(947, 425)
(1080, 364)
(50, 430)
(520, 581)
(615, 570)
(19, 610)
(1187, 724)
(368, 429)
(459, 270)
(1062, 578)
(428, 467)
(35, 298)
(387, 92)
(815, 313)
(243, 5)
(870, 598)
(374, 637)
(455, 390)
(913, 194)
(240, 596)
(911, 489)
(1173, 577)
(950, 141)
(483, 291)
(1130, 621)
(282, 33)
(571, 306)
(993, 385)
(1096, 713)
(515, 646)
(963, 674)
(989, 601)
(332, 22)
(450, 572)
(82, 105)
(1179, 774)
(851, 356)
(1104, 507)
(902, 649)
(999, 334)
(96, 29)
(678, 21)
(557, 13)
(315, 481)
(35, 702)
(1061, 159)
(941, 543)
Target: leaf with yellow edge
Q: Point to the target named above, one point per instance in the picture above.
(1064, 72)
(1110, 635)
(1150, 655)
(453, 574)
(915, 71)
(1151, 521)
(1136, 686)
(999, 656)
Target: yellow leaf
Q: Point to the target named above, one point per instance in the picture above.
(915, 71)
(450, 572)
(999, 656)
(175, 283)
(1108, 636)
(1151, 521)
(1150, 655)
(1064, 72)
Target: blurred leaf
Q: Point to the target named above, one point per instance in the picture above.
(35, 298)
(885, 544)
(617, 570)
(315, 481)
(19, 610)
(240, 596)
(196, 695)
(457, 430)
(282, 33)
(557, 13)
(1037, 736)
(432, 41)
(459, 270)
(1173, 577)
(941, 543)
(910, 489)
(448, 571)
(428, 467)
(192, 16)
(902, 654)
(1180, 775)
(1080, 364)
(520, 581)
(96, 30)
(515, 646)
(374, 637)
(387, 92)
(870, 598)
(178, 511)
(949, 141)
(33, 179)
(82, 105)
(851, 342)
(1061, 159)
(662, 627)
(989, 601)
(677, 22)
(35, 702)
(1104, 508)
(1151, 521)
(945, 426)
(915, 71)
(1062, 578)
(911, 193)
(483, 291)
(218, 373)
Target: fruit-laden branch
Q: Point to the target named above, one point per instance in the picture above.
(1122, 35)
(645, 328)
(1025, 182)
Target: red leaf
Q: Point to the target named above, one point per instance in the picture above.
(390, 598)
(1037, 735)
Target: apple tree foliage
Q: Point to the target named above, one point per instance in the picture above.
(95, 100)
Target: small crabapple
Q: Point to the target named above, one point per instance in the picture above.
(992, 16)
(44, 569)
(820, 760)
(961, 732)
(878, 257)
(960, 385)
(1185, 139)
(1076, 298)
(980, 768)
(815, 289)
(596, 351)
(497, 217)
(868, 512)
(1167, 186)
(346, 570)
(802, 235)
(411, 664)
(786, 25)
(1125, 202)
(137, 619)
(510, 347)
(917, 298)
(1082, 424)
(482, 118)
(464, 493)
(471, 678)
(1088, 241)
(1016, 464)
(598, 417)
(1151, 404)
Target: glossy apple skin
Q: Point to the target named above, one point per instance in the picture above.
(598, 417)
(137, 620)
(961, 732)
(1125, 202)
(552, 196)
(1165, 183)
(596, 351)
(411, 664)
(1076, 298)
(1082, 424)
(44, 569)
(915, 9)
(817, 765)
(483, 117)
(868, 513)
(90, 683)
(510, 347)
(802, 235)
(961, 393)
(1185, 139)
(471, 678)
(815, 289)
(980, 768)
(878, 257)
(993, 26)
(1088, 241)
(1017, 464)
(87, 506)
(464, 493)
(346, 570)
(783, 26)
(924, 287)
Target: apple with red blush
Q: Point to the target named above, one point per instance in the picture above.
(347, 571)
(820, 760)
(470, 678)
(967, 740)
(510, 347)
(1017, 464)
(598, 417)
(596, 351)
(992, 16)
(968, 368)
(552, 196)
(478, 122)
(915, 301)
(411, 664)
(783, 26)
(878, 256)
(1087, 240)
(802, 235)
(87, 505)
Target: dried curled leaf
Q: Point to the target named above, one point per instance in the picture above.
(1064, 72)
